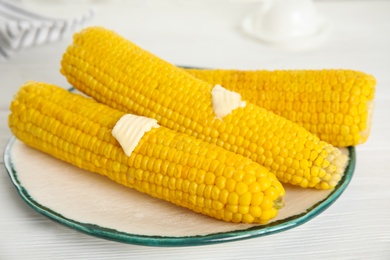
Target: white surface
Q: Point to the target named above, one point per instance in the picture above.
(206, 33)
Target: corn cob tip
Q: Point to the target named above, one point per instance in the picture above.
(335, 170)
(279, 203)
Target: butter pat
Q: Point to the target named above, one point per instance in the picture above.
(225, 101)
(130, 129)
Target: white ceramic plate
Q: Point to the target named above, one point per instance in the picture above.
(97, 206)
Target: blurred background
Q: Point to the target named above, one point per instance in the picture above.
(203, 33)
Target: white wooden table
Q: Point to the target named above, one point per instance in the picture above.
(207, 34)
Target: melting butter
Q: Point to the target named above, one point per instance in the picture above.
(225, 101)
(130, 129)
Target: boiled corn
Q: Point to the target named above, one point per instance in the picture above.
(168, 165)
(336, 105)
(118, 73)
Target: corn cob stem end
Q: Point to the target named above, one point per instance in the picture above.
(279, 203)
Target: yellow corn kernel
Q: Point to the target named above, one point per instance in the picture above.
(144, 80)
(165, 175)
(345, 93)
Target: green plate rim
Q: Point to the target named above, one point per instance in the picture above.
(214, 238)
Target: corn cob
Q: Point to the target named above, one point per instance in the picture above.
(165, 164)
(334, 104)
(118, 73)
